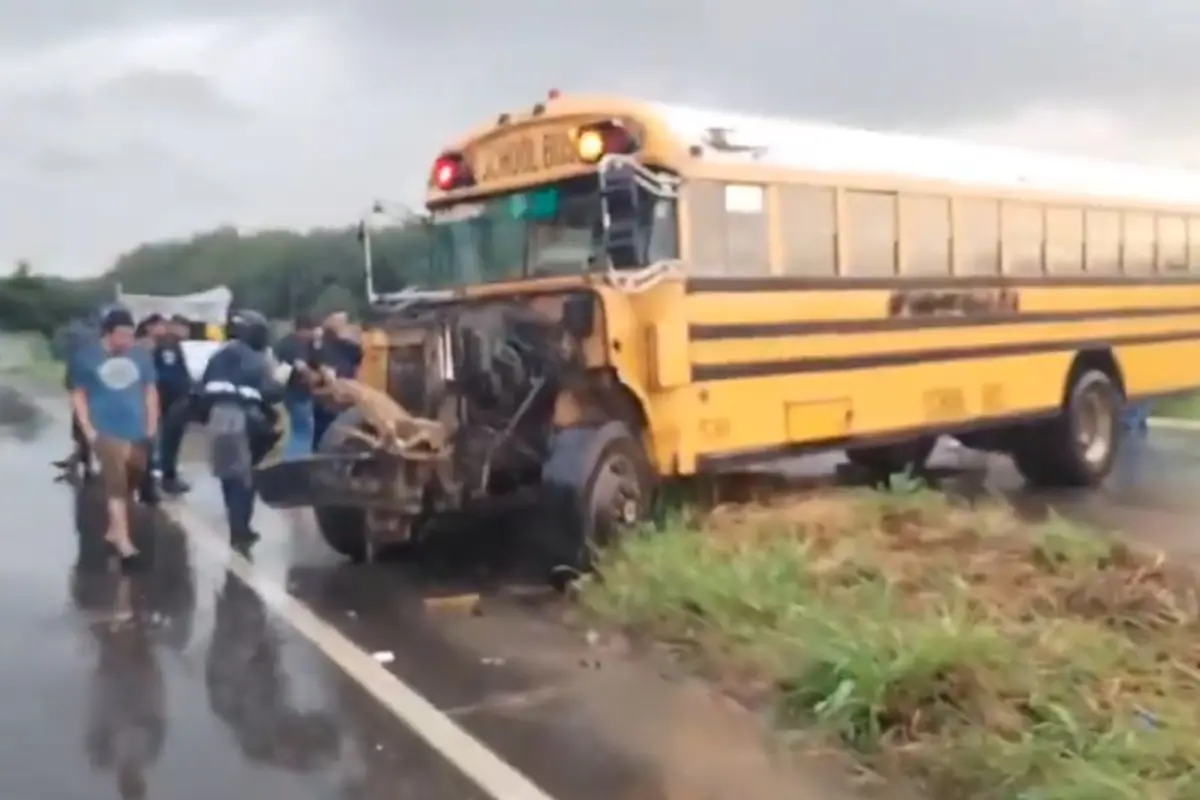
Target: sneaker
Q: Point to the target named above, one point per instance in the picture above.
(242, 541)
(175, 485)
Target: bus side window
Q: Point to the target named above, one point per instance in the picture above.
(1102, 241)
(1137, 256)
(809, 227)
(925, 235)
(1194, 244)
(1172, 243)
(728, 224)
(976, 236)
(870, 233)
(1064, 240)
(1024, 230)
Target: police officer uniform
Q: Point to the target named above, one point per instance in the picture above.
(174, 386)
(237, 397)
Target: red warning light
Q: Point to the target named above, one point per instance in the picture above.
(449, 172)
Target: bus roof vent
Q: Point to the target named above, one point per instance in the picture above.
(719, 139)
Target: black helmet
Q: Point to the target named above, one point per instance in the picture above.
(250, 327)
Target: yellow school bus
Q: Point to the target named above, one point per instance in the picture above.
(697, 290)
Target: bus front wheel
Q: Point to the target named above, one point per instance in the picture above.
(1078, 447)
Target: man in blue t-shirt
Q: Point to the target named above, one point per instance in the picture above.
(114, 398)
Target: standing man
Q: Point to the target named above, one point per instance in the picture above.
(339, 352)
(174, 387)
(114, 398)
(238, 394)
(77, 335)
(293, 352)
(146, 334)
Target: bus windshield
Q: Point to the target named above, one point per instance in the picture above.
(551, 230)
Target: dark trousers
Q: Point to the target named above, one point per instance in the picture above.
(238, 495)
(323, 419)
(83, 451)
(174, 426)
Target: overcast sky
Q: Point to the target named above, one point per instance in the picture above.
(128, 120)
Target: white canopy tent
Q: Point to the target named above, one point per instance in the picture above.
(210, 307)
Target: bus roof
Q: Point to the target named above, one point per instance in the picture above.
(823, 147)
(675, 133)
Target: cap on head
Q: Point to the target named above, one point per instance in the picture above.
(116, 317)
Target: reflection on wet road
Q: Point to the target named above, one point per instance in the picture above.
(179, 681)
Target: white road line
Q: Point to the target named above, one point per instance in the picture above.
(1168, 424)
(488, 771)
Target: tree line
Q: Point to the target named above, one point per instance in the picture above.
(278, 272)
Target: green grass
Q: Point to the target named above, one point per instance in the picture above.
(29, 357)
(950, 646)
(1182, 407)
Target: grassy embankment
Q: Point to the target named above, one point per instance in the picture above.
(27, 356)
(958, 647)
(1183, 407)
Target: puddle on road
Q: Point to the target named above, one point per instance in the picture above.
(20, 415)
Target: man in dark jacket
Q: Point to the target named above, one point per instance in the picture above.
(146, 334)
(343, 355)
(237, 397)
(174, 387)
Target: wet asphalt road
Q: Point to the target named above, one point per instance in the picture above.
(179, 682)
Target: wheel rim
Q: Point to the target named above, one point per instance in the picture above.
(616, 498)
(1094, 426)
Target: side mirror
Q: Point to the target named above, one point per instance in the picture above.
(624, 234)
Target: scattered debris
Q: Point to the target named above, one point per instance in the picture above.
(470, 603)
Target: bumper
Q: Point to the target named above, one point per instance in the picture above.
(325, 480)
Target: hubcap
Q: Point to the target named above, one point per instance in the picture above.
(616, 497)
(1094, 426)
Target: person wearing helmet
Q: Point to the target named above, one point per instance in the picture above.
(237, 396)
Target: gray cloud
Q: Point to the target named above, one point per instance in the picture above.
(144, 118)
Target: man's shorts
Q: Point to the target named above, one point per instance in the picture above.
(122, 465)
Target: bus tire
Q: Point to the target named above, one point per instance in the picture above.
(1078, 447)
(882, 462)
(596, 483)
(344, 529)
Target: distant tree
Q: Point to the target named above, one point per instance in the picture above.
(332, 298)
(277, 272)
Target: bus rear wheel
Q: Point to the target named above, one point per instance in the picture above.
(1079, 446)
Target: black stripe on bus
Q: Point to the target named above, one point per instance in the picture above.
(798, 366)
(792, 283)
(767, 330)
